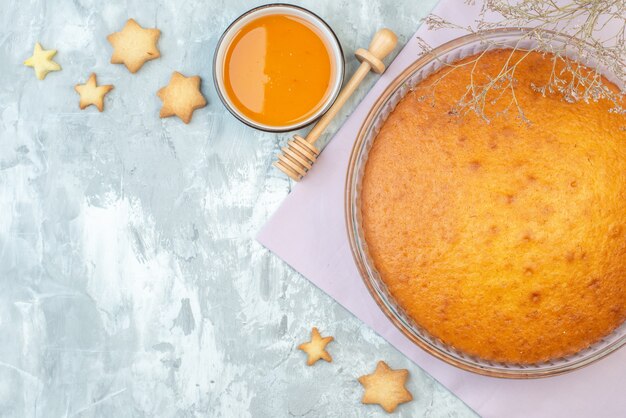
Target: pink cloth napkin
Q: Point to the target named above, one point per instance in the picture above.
(319, 250)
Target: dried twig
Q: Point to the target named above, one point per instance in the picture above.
(582, 19)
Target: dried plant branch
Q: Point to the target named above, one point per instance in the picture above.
(581, 20)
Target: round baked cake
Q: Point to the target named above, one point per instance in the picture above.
(504, 239)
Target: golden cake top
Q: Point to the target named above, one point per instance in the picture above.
(506, 240)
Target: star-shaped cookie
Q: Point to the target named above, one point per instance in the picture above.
(91, 93)
(385, 387)
(41, 61)
(134, 45)
(181, 97)
(316, 348)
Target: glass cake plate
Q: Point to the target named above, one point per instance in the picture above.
(409, 78)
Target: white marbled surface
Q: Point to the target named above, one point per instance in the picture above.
(130, 282)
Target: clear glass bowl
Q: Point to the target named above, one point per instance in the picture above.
(325, 32)
(416, 72)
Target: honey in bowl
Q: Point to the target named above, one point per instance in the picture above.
(278, 70)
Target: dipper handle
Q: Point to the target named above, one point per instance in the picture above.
(300, 153)
(383, 42)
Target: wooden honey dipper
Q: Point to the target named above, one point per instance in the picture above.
(300, 153)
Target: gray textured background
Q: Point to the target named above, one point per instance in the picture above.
(130, 283)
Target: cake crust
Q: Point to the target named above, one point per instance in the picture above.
(505, 240)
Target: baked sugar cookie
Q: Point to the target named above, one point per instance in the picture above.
(91, 93)
(316, 348)
(181, 97)
(385, 387)
(41, 61)
(134, 45)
